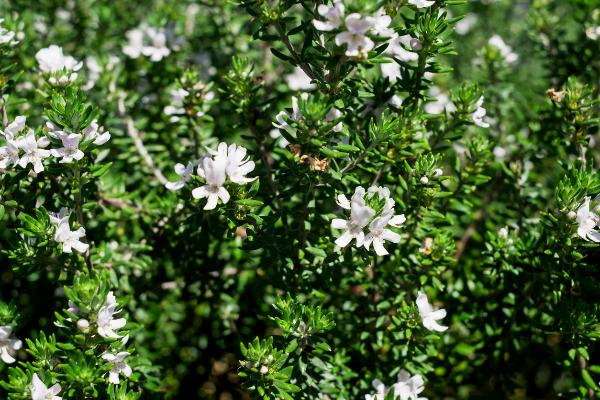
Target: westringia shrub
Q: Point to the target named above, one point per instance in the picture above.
(298, 199)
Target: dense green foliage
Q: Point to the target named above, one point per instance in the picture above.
(480, 118)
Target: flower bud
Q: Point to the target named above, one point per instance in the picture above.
(424, 180)
(503, 233)
(438, 172)
(572, 215)
(415, 44)
(52, 80)
(83, 324)
(263, 370)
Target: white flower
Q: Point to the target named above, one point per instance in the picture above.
(135, 43)
(378, 233)
(185, 172)
(278, 138)
(238, 165)
(148, 41)
(118, 366)
(70, 150)
(442, 102)
(158, 49)
(9, 154)
(479, 114)
(298, 80)
(355, 38)
(8, 345)
(225, 162)
(333, 115)
(398, 48)
(68, 238)
(499, 153)
(588, 220)
(505, 50)
(64, 235)
(381, 391)
(593, 32)
(282, 122)
(333, 16)
(408, 387)
(214, 173)
(422, 3)
(106, 322)
(34, 151)
(360, 216)
(94, 71)
(429, 315)
(465, 25)
(61, 216)
(39, 391)
(52, 60)
(175, 110)
(6, 36)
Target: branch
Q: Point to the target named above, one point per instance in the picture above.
(141, 149)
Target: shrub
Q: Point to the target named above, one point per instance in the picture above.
(294, 199)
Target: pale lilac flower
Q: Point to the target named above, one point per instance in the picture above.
(118, 366)
(480, 114)
(333, 16)
(428, 315)
(213, 170)
(185, 172)
(421, 3)
(381, 22)
(408, 387)
(95, 132)
(34, 151)
(381, 391)
(355, 37)
(298, 80)
(70, 151)
(8, 345)
(588, 220)
(39, 391)
(106, 321)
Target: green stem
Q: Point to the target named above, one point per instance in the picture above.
(78, 186)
